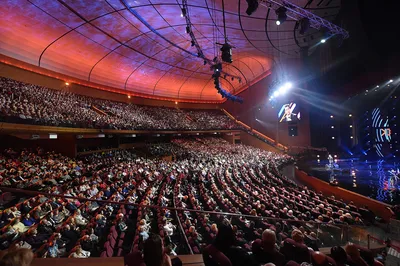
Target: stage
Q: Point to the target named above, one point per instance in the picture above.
(374, 179)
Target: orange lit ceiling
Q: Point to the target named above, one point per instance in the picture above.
(103, 42)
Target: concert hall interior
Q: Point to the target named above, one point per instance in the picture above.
(201, 132)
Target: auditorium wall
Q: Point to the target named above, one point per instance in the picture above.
(379, 208)
(27, 76)
(250, 140)
(64, 144)
(256, 106)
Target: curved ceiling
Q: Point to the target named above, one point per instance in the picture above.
(144, 48)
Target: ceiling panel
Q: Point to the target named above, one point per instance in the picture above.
(142, 45)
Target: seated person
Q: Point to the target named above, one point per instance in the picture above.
(18, 257)
(19, 227)
(265, 251)
(36, 240)
(28, 220)
(79, 253)
(339, 255)
(225, 243)
(57, 217)
(153, 254)
(169, 228)
(79, 219)
(354, 258)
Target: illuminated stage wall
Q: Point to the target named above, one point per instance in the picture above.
(378, 131)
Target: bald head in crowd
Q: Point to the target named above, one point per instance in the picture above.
(268, 239)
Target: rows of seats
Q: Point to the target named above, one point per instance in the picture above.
(213, 175)
(31, 104)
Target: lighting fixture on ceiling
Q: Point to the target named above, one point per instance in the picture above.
(281, 13)
(226, 54)
(304, 25)
(252, 6)
(183, 14)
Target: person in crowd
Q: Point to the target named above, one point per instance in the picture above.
(265, 250)
(19, 226)
(71, 236)
(36, 240)
(18, 257)
(28, 220)
(79, 253)
(225, 242)
(26, 207)
(46, 227)
(79, 219)
(169, 228)
(339, 255)
(354, 255)
(153, 254)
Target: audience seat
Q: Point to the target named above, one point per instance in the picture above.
(213, 257)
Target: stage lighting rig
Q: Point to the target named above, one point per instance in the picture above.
(287, 9)
(252, 6)
(281, 13)
(304, 25)
(226, 53)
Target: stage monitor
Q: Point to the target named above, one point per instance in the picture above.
(289, 113)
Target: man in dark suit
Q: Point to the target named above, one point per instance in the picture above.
(36, 240)
(26, 207)
(70, 236)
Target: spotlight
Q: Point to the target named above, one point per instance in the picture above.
(281, 13)
(176, 102)
(323, 41)
(304, 25)
(391, 80)
(276, 93)
(285, 87)
(252, 6)
(129, 96)
(377, 86)
(351, 125)
(331, 116)
(66, 83)
(350, 115)
(332, 126)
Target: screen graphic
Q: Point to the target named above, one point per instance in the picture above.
(289, 113)
(383, 134)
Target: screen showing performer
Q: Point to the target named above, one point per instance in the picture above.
(289, 113)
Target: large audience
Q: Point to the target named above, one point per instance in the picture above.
(31, 104)
(97, 205)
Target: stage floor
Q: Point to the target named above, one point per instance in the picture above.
(372, 178)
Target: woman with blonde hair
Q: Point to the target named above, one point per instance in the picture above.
(19, 257)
